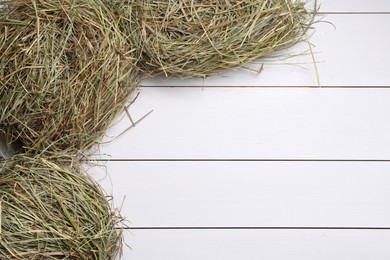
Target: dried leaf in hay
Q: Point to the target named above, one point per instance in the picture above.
(51, 210)
(200, 38)
(65, 73)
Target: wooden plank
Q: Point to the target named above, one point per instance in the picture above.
(255, 245)
(354, 54)
(348, 6)
(250, 194)
(255, 123)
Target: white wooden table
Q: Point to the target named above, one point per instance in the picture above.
(265, 166)
(246, 168)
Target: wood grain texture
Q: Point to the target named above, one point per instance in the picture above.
(255, 245)
(250, 194)
(235, 123)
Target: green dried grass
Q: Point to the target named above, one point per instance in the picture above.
(203, 37)
(65, 73)
(51, 210)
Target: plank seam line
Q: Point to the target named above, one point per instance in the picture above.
(239, 160)
(316, 87)
(253, 228)
(354, 13)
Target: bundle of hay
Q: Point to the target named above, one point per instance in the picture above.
(65, 73)
(203, 37)
(53, 211)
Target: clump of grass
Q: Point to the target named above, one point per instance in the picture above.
(52, 210)
(203, 37)
(65, 73)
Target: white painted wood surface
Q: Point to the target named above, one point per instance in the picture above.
(232, 121)
(241, 120)
(250, 194)
(255, 245)
(256, 123)
(348, 6)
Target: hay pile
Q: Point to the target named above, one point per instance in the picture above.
(68, 69)
(199, 38)
(65, 73)
(53, 211)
